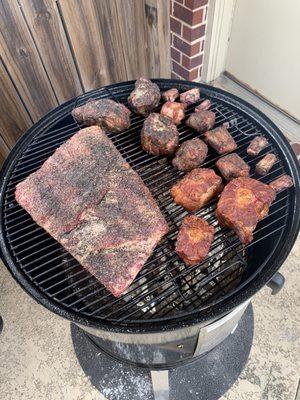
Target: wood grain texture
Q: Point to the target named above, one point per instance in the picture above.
(4, 151)
(164, 48)
(14, 119)
(23, 61)
(96, 40)
(47, 30)
(134, 39)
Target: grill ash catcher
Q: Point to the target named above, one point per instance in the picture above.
(196, 323)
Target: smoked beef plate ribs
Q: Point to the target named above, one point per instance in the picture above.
(92, 202)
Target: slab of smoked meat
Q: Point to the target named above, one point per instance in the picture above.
(106, 113)
(243, 203)
(90, 200)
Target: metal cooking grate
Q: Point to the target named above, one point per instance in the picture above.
(165, 288)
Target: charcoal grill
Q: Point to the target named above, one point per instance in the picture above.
(169, 304)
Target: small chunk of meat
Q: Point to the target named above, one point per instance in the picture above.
(108, 114)
(265, 164)
(190, 96)
(145, 97)
(257, 145)
(204, 106)
(194, 239)
(201, 121)
(173, 110)
(197, 188)
(159, 135)
(191, 154)
(220, 140)
(232, 166)
(170, 95)
(282, 183)
(242, 204)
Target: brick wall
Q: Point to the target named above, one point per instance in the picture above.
(188, 25)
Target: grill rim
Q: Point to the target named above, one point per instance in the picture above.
(263, 274)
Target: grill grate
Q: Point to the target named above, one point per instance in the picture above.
(165, 288)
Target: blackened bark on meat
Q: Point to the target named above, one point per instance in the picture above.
(159, 135)
(201, 121)
(191, 154)
(220, 140)
(145, 97)
(106, 113)
(232, 166)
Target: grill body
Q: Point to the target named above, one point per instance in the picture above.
(166, 349)
(166, 295)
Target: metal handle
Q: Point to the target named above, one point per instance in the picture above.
(276, 283)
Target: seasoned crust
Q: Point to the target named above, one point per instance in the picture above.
(194, 239)
(196, 188)
(106, 113)
(191, 154)
(159, 135)
(145, 97)
(220, 140)
(242, 204)
(232, 166)
(201, 120)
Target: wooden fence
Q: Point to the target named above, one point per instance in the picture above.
(52, 50)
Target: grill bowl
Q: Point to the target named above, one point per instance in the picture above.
(166, 294)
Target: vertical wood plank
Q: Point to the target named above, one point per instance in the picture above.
(14, 119)
(23, 61)
(96, 40)
(132, 22)
(47, 30)
(152, 50)
(4, 151)
(163, 26)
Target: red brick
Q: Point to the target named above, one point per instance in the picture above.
(186, 48)
(179, 1)
(175, 26)
(174, 76)
(191, 63)
(192, 34)
(175, 55)
(194, 74)
(184, 73)
(296, 148)
(193, 4)
(186, 15)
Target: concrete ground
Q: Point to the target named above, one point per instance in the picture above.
(37, 360)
